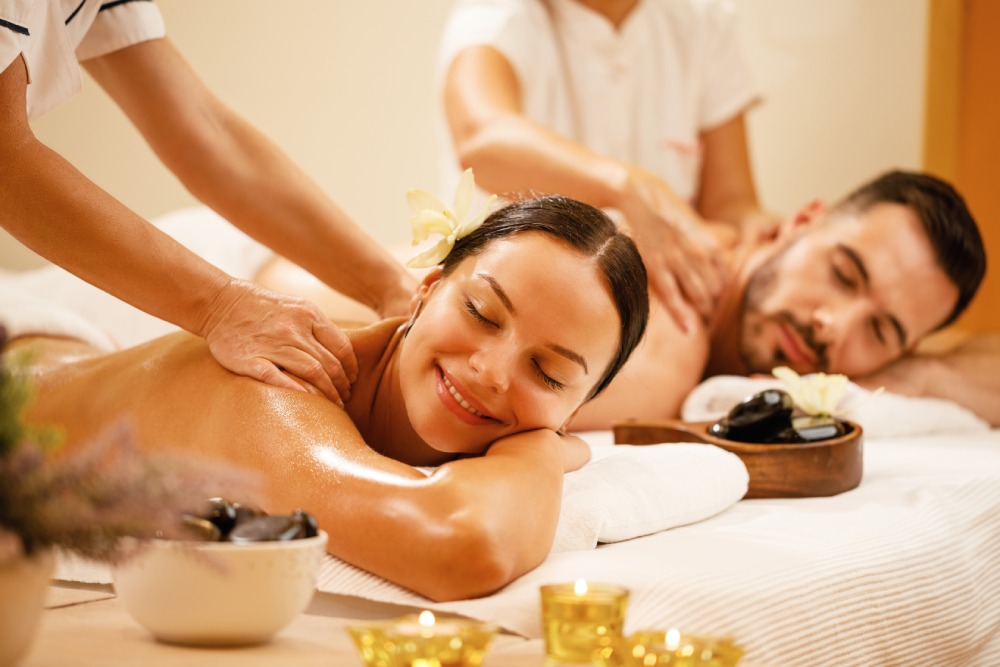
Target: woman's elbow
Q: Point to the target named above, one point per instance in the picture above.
(472, 560)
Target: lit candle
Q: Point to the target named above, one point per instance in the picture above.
(578, 618)
(423, 641)
(671, 649)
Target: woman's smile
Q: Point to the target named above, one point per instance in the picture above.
(466, 409)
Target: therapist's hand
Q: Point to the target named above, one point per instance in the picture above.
(259, 334)
(684, 262)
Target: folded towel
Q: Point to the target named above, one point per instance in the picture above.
(881, 415)
(638, 490)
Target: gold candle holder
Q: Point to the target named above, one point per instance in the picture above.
(422, 641)
(579, 618)
(647, 648)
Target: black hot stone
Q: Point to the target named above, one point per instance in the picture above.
(811, 429)
(245, 512)
(267, 529)
(222, 513)
(201, 527)
(308, 522)
(758, 418)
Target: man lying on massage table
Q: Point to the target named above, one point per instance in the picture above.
(853, 289)
(527, 318)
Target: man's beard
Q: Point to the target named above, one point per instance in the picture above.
(752, 320)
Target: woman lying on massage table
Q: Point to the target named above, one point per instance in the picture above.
(527, 318)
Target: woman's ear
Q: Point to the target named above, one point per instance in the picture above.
(426, 286)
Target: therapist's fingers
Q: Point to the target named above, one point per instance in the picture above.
(258, 333)
(669, 295)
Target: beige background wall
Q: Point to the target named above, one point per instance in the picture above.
(346, 88)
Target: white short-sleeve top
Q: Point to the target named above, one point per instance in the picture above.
(642, 92)
(54, 36)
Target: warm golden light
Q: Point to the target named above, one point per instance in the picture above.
(673, 639)
(580, 587)
(426, 619)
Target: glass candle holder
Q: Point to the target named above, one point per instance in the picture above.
(579, 618)
(422, 641)
(668, 649)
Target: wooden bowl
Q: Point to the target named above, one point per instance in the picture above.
(792, 470)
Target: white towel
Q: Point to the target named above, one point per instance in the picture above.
(883, 415)
(638, 490)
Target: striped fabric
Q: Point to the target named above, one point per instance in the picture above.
(902, 571)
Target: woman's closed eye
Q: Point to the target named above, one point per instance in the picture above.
(479, 317)
(547, 379)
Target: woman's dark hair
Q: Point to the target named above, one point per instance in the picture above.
(591, 233)
(946, 221)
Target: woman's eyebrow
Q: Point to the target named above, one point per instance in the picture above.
(558, 349)
(497, 290)
(571, 355)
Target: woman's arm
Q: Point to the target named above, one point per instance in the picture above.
(468, 529)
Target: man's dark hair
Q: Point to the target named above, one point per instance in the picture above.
(950, 227)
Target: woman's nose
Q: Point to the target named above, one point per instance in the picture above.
(492, 365)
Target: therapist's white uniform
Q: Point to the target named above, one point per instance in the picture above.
(56, 35)
(641, 93)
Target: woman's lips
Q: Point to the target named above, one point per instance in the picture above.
(466, 410)
(794, 347)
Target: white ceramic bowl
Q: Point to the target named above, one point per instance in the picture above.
(219, 593)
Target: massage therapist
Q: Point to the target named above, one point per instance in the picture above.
(59, 213)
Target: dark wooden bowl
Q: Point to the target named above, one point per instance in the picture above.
(794, 470)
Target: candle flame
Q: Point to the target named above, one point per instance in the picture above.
(580, 587)
(426, 619)
(673, 639)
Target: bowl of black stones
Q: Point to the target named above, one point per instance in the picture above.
(241, 578)
(787, 453)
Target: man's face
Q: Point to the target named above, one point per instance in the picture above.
(848, 295)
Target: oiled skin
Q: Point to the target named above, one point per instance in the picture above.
(470, 528)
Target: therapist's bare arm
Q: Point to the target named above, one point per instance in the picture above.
(56, 211)
(510, 152)
(241, 174)
(960, 367)
(727, 191)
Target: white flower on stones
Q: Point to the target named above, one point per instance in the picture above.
(817, 394)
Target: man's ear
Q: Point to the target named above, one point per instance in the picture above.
(426, 286)
(804, 217)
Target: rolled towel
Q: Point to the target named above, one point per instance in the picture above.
(638, 490)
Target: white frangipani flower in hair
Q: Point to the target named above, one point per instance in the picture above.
(431, 217)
